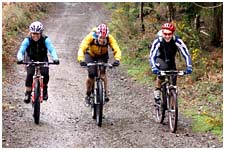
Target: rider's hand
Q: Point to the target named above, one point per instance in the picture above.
(83, 63)
(56, 62)
(19, 61)
(155, 70)
(188, 70)
(116, 63)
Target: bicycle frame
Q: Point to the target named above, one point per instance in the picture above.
(37, 87)
(37, 76)
(168, 79)
(98, 79)
(98, 92)
(169, 101)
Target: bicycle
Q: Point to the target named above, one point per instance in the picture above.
(97, 95)
(168, 100)
(37, 87)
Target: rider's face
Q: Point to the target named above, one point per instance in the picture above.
(102, 40)
(167, 35)
(36, 36)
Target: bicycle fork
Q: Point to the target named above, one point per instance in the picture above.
(35, 79)
(168, 92)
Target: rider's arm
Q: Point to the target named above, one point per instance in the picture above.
(184, 51)
(115, 48)
(51, 49)
(22, 49)
(84, 46)
(153, 52)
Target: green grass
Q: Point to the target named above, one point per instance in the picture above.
(202, 122)
(138, 69)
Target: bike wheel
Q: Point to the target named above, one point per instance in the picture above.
(36, 103)
(173, 111)
(161, 107)
(99, 105)
(93, 109)
(93, 105)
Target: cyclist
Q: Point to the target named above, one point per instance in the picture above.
(163, 52)
(94, 47)
(35, 48)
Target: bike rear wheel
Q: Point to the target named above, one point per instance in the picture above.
(36, 103)
(99, 105)
(161, 107)
(173, 111)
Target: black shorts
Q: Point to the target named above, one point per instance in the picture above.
(89, 59)
(31, 71)
(163, 65)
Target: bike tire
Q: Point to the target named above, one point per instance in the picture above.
(173, 111)
(93, 108)
(161, 108)
(93, 105)
(99, 105)
(36, 103)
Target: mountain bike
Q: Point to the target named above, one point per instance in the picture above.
(97, 95)
(37, 87)
(168, 100)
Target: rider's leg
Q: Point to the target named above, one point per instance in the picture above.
(105, 79)
(90, 79)
(157, 89)
(162, 65)
(28, 83)
(45, 74)
(89, 85)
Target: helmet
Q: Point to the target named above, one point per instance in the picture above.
(36, 27)
(168, 26)
(102, 30)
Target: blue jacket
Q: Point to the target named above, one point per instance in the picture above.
(168, 50)
(25, 44)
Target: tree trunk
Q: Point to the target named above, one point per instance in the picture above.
(141, 16)
(171, 12)
(217, 26)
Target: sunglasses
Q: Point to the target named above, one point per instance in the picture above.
(167, 34)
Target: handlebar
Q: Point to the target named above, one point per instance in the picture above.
(99, 64)
(172, 72)
(38, 63)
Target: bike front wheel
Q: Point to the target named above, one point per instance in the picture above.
(173, 111)
(36, 103)
(99, 105)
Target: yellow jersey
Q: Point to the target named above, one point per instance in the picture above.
(88, 45)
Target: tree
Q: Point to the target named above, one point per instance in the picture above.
(141, 16)
(217, 25)
(171, 12)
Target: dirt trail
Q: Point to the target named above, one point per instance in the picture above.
(65, 121)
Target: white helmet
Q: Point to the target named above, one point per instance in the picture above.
(36, 27)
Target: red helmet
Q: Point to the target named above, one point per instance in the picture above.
(168, 26)
(102, 30)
